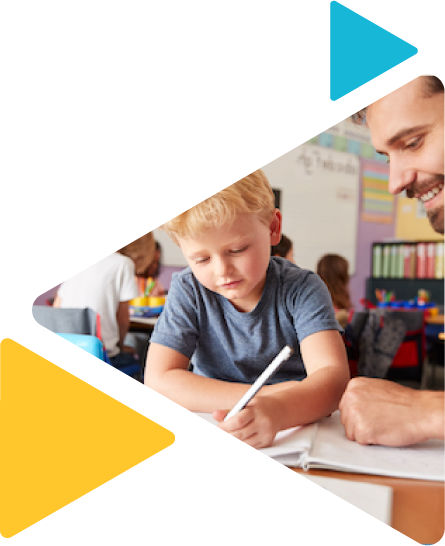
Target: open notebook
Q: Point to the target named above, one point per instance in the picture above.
(324, 445)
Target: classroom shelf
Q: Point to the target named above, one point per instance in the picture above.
(407, 260)
(406, 289)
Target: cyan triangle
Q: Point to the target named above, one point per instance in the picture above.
(361, 50)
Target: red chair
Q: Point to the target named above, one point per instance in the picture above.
(409, 362)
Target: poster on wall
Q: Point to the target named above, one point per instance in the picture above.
(377, 202)
(420, 209)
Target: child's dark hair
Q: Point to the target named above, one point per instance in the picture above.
(333, 270)
(282, 248)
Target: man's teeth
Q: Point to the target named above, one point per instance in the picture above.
(432, 193)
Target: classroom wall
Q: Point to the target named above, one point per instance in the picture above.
(346, 136)
(319, 189)
(343, 137)
(405, 222)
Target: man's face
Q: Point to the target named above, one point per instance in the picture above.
(408, 127)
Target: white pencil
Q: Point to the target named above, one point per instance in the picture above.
(273, 367)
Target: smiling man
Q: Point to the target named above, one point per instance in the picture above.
(408, 127)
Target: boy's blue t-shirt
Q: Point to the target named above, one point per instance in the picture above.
(226, 344)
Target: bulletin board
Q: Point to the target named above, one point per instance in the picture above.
(412, 223)
(319, 202)
(377, 202)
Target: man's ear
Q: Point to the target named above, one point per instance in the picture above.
(275, 228)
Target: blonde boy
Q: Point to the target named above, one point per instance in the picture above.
(234, 309)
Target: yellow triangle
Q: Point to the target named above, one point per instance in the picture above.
(60, 438)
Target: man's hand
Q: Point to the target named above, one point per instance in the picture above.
(376, 411)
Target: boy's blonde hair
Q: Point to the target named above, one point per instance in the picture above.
(250, 195)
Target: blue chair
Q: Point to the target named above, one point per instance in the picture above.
(93, 345)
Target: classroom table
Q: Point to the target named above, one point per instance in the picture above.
(141, 324)
(418, 509)
(138, 324)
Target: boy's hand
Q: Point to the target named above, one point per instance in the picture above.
(256, 424)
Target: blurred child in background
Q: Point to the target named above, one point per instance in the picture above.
(284, 249)
(107, 287)
(152, 272)
(334, 271)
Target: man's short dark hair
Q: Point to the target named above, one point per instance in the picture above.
(432, 86)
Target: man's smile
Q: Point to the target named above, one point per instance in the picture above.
(430, 194)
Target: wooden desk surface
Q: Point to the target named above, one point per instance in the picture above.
(138, 324)
(418, 509)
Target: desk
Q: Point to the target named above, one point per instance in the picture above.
(418, 505)
(140, 324)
